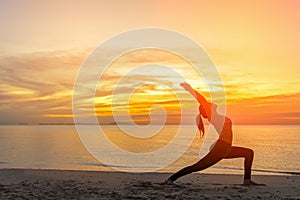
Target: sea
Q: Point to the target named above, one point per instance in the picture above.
(276, 147)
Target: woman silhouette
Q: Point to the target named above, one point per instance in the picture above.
(223, 148)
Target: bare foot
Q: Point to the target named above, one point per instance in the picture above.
(248, 182)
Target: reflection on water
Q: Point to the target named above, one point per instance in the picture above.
(140, 145)
(58, 146)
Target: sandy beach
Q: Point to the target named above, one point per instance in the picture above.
(64, 184)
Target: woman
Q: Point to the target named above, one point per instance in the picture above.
(223, 148)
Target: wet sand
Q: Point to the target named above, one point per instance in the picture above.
(64, 184)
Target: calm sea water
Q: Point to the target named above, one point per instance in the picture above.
(277, 148)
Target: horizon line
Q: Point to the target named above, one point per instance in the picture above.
(107, 124)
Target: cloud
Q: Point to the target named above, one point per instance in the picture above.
(38, 87)
(36, 83)
(276, 109)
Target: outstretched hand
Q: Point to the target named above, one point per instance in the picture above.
(186, 86)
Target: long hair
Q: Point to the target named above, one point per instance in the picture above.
(200, 123)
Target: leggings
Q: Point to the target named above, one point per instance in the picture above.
(221, 150)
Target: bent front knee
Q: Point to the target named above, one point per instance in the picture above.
(250, 153)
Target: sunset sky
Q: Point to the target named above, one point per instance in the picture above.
(254, 44)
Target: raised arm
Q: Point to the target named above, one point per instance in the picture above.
(198, 97)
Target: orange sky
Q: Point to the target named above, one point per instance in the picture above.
(254, 44)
